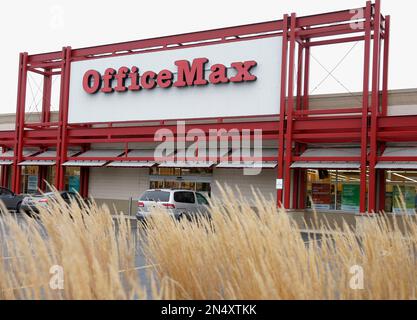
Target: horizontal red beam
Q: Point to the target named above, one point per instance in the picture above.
(299, 158)
(327, 18)
(328, 111)
(382, 158)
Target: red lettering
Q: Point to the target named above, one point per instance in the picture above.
(188, 74)
(148, 80)
(164, 78)
(218, 74)
(243, 73)
(134, 79)
(91, 81)
(193, 75)
(120, 77)
(107, 80)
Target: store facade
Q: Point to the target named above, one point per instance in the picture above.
(206, 109)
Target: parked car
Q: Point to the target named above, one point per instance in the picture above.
(11, 200)
(32, 203)
(178, 203)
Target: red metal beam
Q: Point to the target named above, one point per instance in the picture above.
(327, 18)
(281, 124)
(290, 109)
(385, 67)
(375, 107)
(365, 102)
(46, 98)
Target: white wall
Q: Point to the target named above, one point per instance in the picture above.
(265, 182)
(118, 183)
(232, 99)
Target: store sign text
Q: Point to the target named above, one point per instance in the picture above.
(188, 74)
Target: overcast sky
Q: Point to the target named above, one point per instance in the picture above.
(46, 25)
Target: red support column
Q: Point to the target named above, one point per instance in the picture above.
(306, 76)
(63, 119)
(384, 107)
(20, 122)
(4, 176)
(385, 66)
(303, 183)
(365, 102)
(84, 177)
(280, 173)
(375, 107)
(288, 137)
(46, 99)
(299, 78)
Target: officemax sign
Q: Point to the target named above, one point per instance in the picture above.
(187, 74)
(231, 79)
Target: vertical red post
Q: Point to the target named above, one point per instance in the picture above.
(365, 103)
(306, 75)
(375, 106)
(84, 177)
(303, 183)
(384, 107)
(20, 122)
(288, 136)
(46, 99)
(280, 173)
(4, 176)
(381, 187)
(63, 118)
(385, 66)
(15, 167)
(299, 77)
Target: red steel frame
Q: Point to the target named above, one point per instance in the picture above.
(294, 126)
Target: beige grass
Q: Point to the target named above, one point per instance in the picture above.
(243, 254)
(97, 261)
(240, 254)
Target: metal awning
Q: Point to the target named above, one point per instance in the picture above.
(326, 165)
(266, 153)
(329, 152)
(145, 153)
(205, 162)
(96, 153)
(243, 164)
(186, 164)
(4, 155)
(10, 153)
(40, 161)
(398, 152)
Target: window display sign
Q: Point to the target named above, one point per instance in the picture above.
(404, 198)
(321, 196)
(350, 197)
(74, 183)
(32, 183)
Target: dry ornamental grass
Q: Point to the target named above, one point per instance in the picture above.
(241, 253)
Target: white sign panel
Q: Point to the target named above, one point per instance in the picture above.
(245, 92)
(279, 184)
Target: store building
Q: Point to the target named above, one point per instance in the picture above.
(117, 101)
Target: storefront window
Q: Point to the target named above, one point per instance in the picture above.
(50, 177)
(333, 189)
(400, 191)
(30, 179)
(197, 179)
(72, 179)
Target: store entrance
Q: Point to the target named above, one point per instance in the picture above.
(333, 189)
(196, 179)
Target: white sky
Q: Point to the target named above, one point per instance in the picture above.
(46, 25)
